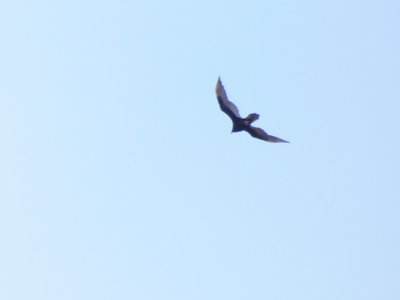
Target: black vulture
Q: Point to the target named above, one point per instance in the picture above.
(239, 123)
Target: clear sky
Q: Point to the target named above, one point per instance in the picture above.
(120, 179)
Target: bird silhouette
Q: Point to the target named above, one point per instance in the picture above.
(239, 123)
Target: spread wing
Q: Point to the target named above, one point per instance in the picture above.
(258, 133)
(226, 106)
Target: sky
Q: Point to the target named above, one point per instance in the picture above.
(119, 175)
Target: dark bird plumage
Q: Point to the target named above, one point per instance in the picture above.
(239, 123)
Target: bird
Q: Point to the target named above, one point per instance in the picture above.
(239, 123)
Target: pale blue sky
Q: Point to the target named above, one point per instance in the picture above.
(120, 178)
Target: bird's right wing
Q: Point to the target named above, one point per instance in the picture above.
(259, 133)
(226, 106)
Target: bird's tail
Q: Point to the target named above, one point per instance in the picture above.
(252, 117)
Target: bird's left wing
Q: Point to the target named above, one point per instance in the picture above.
(226, 106)
(258, 133)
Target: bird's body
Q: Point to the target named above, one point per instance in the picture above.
(239, 123)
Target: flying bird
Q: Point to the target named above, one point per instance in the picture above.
(239, 123)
